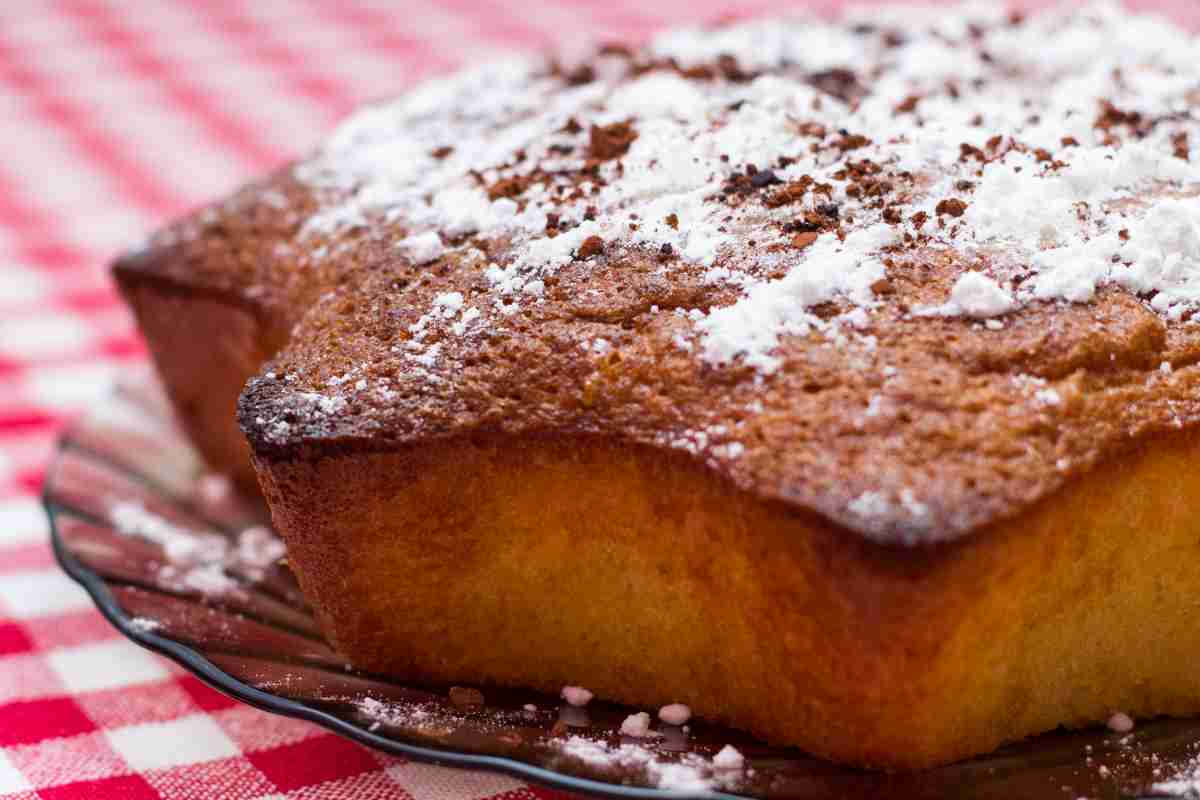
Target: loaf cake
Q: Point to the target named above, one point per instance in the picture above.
(835, 378)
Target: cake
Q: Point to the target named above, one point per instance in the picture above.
(837, 379)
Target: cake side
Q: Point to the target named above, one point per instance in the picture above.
(215, 295)
(204, 350)
(649, 579)
(241, 247)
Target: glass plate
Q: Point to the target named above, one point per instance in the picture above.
(164, 554)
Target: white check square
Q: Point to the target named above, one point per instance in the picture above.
(25, 595)
(43, 336)
(157, 745)
(106, 665)
(73, 386)
(21, 285)
(11, 779)
(22, 521)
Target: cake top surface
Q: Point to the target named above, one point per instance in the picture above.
(911, 269)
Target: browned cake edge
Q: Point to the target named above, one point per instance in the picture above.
(649, 579)
(205, 343)
(215, 294)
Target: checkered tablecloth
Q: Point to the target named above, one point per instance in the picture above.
(114, 116)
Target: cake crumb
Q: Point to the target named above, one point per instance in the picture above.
(675, 714)
(576, 695)
(258, 548)
(1184, 783)
(213, 489)
(729, 757)
(1120, 722)
(637, 725)
(1049, 397)
(424, 248)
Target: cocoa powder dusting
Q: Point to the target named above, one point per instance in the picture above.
(953, 206)
(611, 141)
(591, 246)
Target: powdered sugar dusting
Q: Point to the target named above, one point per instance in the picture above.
(998, 183)
(257, 549)
(870, 504)
(975, 295)
(771, 208)
(1186, 783)
(689, 773)
(182, 547)
(197, 560)
(951, 138)
(751, 327)
(643, 761)
(422, 248)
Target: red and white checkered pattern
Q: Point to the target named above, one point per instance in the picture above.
(114, 116)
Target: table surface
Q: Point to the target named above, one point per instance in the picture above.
(116, 115)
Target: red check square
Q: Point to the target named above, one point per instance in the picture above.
(35, 720)
(205, 697)
(126, 787)
(316, 760)
(13, 639)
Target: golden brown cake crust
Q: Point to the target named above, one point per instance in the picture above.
(242, 253)
(236, 250)
(963, 425)
(900, 424)
(905, 410)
